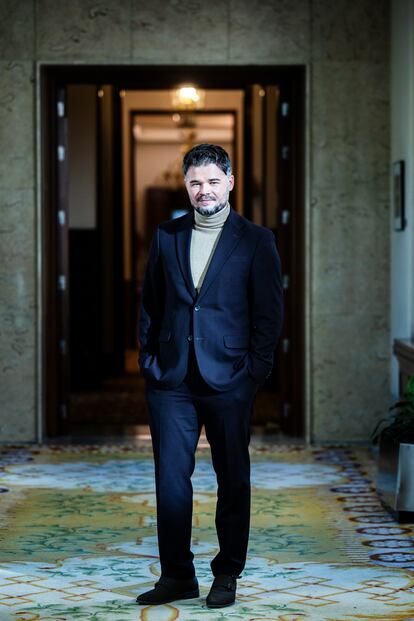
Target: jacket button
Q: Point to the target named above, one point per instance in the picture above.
(196, 308)
(189, 338)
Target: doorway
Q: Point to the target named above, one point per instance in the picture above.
(112, 146)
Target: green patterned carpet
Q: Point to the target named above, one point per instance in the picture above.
(78, 537)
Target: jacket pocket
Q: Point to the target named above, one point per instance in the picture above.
(164, 334)
(236, 341)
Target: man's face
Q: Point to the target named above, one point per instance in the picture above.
(208, 188)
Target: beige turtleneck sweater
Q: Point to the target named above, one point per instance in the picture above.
(204, 239)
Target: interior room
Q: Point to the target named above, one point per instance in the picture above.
(112, 215)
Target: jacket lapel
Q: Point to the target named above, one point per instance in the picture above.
(229, 238)
(183, 241)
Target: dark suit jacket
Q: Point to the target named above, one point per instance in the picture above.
(234, 322)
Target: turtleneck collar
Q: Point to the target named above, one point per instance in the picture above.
(215, 221)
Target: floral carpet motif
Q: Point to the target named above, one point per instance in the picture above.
(78, 537)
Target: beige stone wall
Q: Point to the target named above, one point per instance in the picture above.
(402, 148)
(345, 47)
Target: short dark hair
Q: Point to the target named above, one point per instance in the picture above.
(203, 154)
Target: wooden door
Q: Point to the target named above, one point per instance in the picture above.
(61, 225)
(272, 202)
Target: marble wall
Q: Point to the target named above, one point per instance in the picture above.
(345, 47)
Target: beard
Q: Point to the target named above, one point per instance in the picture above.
(209, 211)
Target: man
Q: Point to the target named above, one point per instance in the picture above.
(211, 316)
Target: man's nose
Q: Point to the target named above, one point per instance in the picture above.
(205, 188)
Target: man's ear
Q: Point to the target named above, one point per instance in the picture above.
(231, 182)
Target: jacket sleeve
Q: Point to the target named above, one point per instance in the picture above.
(152, 303)
(266, 306)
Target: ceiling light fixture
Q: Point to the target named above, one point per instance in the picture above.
(188, 97)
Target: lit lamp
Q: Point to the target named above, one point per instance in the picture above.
(188, 98)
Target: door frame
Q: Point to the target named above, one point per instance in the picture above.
(292, 81)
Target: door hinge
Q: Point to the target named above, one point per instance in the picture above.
(62, 346)
(286, 281)
(286, 345)
(61, 153)
(60, 109)
(285, 153)
(284, 109)
(63, 411)
(61, 216)
(286, 410)
(62, 282)
(285, 216)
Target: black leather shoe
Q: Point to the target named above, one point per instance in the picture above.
(222, 592)
(169, 589)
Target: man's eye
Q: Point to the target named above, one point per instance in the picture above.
(214, 183)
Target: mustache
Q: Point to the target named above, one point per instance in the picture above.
(205, 197)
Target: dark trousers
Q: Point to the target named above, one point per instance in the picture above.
(176, 418)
